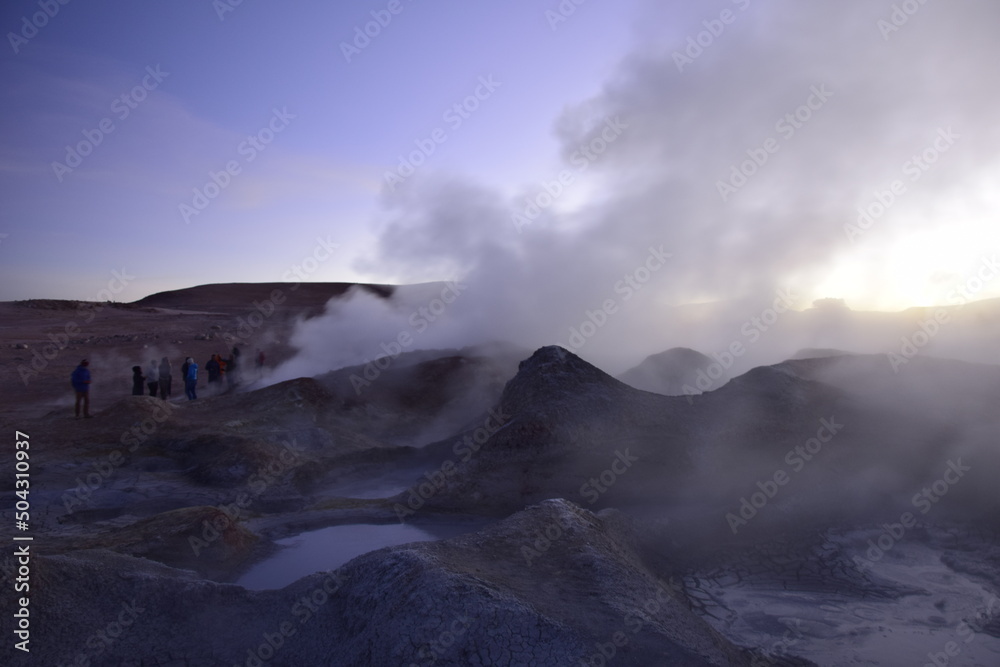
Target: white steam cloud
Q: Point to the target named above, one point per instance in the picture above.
(826, 101)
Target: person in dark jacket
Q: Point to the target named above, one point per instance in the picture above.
(165, 378)
(153, 377)
(214, 369)
(80, 379)
(232, 367)
(190, 378)
(138, 380)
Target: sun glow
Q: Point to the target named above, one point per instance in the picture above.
(922, 268)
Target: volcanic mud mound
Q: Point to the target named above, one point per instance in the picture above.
(674, 373)
(553, 584)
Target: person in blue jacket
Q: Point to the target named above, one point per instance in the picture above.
(190, 378)
(80, 379)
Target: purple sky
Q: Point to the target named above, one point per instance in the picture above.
(320, 177)
(198, 83)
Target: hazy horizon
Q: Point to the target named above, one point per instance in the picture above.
(290, 284)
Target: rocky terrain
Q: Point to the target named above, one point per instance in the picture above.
(568, 422)
(830, 509)
(473, 600)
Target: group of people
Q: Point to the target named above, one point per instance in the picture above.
(158, 377)
(220, 370)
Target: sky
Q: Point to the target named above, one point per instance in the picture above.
(540, 151)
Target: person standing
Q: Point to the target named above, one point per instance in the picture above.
(232, 367)
(260, 363)
(214, 369)
(80, 379)
(137, 381)
(153, 377)
(165, 378)
(190, 378)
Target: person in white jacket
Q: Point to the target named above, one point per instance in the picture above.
(153, 376)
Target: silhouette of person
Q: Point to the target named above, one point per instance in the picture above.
(232, 367)
(138, 379)
(80, 379)
(166, 378)
(214, 369)
(153, 377)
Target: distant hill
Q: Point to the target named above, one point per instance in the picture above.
(668, 372)
(818, 353)
(225, 296)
